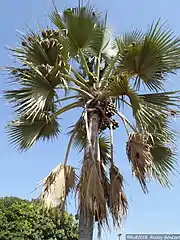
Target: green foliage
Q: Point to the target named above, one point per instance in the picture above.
(24, 132)
(150, 56)
(23, 220)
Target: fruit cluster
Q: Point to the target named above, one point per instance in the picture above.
(44, 69)
(49, 33)
(109, 110)
(106, 124)
(49, 43)
(49, 39)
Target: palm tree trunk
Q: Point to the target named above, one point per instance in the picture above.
(86, 228)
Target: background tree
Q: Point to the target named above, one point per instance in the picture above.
(80, 65)
(22, 219)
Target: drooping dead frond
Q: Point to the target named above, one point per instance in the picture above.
(93, 191)
(118, 203)
(139, 154)
(57, 185)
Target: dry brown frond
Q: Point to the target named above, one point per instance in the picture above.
(93, 191)
(139, 154)
(118, 203)
(57, 185)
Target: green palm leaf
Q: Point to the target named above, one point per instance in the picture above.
(164, 163)
(23, 133)
(80, 23)
(136, 36)
(85, 28)
(163, 100)
(152, 118)
(129, 46)
(101, 41)
(79, 131)
(56, 19)
(118, 88)
(35, 95)
(156, 106)
(163, 151)
(151, 57)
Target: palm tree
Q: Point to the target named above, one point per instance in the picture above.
(80, 65)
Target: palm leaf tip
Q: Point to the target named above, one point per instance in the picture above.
(57, 185)
(139, 154)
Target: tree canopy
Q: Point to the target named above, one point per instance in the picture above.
(22, 220)
(80, 64)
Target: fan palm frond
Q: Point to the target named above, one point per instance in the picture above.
(151, 56)
(85, 28)
(164, 100)
(128, 38)
(163, 151)
(35, 95)
(23, 133)
(164, 163)
(42, 70)
(156, 106)
(119, 87)
(80, 24)
(101, 41)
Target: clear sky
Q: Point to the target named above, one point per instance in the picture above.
(157, 212)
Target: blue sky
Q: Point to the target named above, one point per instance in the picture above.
(157, 212)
